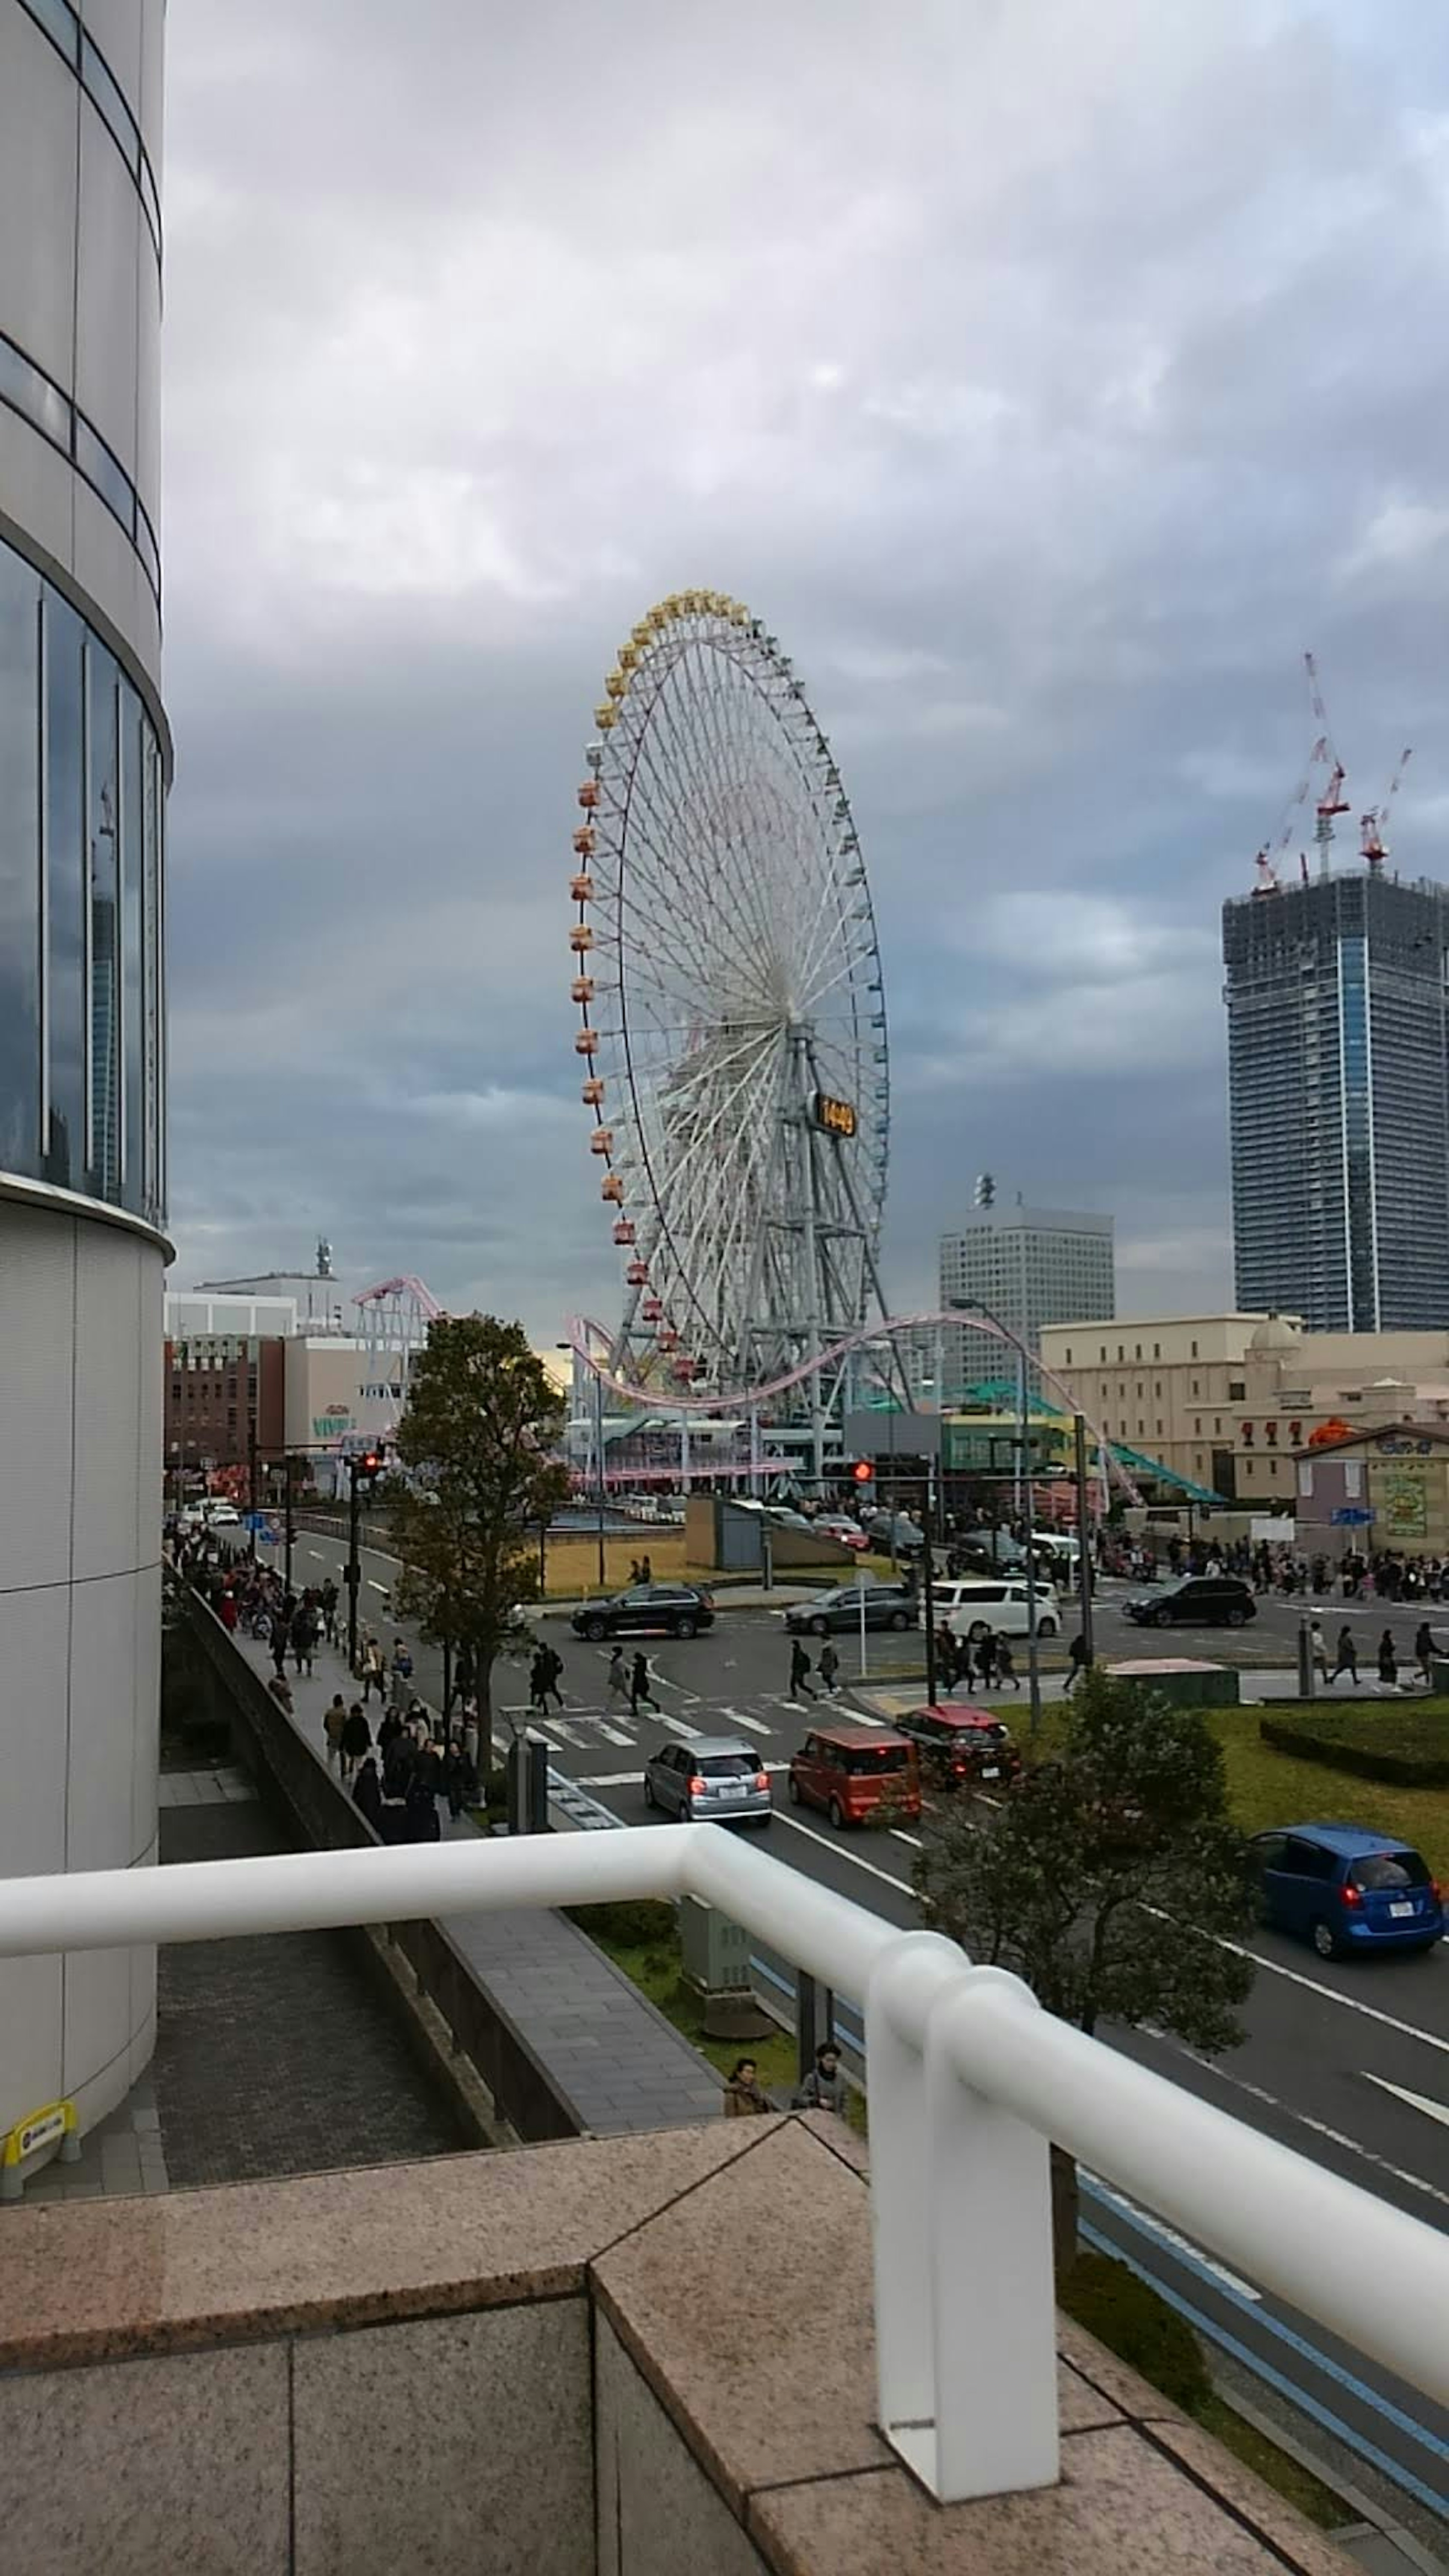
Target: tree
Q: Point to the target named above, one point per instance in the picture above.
(1109, 1880)
(478, 1432)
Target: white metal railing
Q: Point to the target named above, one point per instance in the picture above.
(969, 2081)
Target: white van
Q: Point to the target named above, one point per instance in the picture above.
(969, 1604)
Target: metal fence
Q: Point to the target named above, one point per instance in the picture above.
(969, 2081)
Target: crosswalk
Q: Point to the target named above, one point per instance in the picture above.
(580, 1730)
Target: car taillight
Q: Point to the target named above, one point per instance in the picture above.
(696, 1787)
(1436, 1891)
(1351, 1896)
(960, 1770)
(762, 1779)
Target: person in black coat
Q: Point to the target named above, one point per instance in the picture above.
(420, 1808)
(356, 1739)
(367, 1794)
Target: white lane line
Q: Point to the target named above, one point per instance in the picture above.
(1320, 2128)
(1169, 2235)
(631, 1779)
(1416, 2101)
(374, 1586)
(614, 1734)
(899, 1834)
(1331, 1994)
(676, 1726)
(836, 1844)
(741, 1717)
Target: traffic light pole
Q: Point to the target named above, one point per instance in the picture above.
(353, 1569)
(289, 1521)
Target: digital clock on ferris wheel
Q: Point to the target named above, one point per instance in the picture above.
(837, 1117)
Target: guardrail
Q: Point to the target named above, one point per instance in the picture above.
(970, 2079)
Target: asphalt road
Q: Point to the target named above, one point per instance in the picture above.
(1347, 2062)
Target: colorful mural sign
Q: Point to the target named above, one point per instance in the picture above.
(1403, 1501)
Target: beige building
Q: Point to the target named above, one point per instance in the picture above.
(1225, 1400)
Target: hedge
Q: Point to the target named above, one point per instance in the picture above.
(1406, 1746)
(1131, 2319)
(636, 1923)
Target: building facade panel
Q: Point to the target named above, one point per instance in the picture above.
(38, 155)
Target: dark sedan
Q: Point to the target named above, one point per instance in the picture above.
(959, 1746)
(646, 1610)
(887, 1605)
(1198, 1601)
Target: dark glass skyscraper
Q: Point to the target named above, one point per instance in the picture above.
(1338, 1088)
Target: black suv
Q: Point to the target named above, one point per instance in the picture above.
(646, 1610)
(887, 1605)
(1198, 1601)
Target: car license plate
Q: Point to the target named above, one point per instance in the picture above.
(991, 1771)
(1401, 1909)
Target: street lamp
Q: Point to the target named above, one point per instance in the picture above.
(978, 1306)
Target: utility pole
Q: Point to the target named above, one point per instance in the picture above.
(289, 1522)
(1084, 1535)
(253, 1503)
(928, 1582)
(360, 1471)
(599, 1458)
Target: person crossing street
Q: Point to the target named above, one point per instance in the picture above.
(800, 1682)
(640, 1685)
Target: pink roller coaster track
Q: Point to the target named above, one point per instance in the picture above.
(585, 1334)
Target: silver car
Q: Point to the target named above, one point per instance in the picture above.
(717, 1779)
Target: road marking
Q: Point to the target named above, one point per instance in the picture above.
(756, 1725)
(1320, 2128)
(374, 1586)
(1331, 1994)
(899, 1834)
(1154, 2226)
(632, 1779)
(1416, 2101)
(832, 1843)
(676, 1726)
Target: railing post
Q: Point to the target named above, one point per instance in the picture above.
(989, 2220)
(903, 1984)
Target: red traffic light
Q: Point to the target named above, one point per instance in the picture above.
(371, 1463)
(863, 1471)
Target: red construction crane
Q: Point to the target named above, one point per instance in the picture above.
(1333, 800)
(1373, 844)
(1271, 852)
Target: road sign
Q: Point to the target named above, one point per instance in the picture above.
(1351, 1516)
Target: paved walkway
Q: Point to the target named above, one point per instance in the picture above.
(622, 2066)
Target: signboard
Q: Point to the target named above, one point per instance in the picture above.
(1403, 1493)
(1350, 1516)
(837, 1117)
(40, 2129)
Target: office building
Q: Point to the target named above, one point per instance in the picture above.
(85, 759)
(1338, 1085)
(1031, 1267)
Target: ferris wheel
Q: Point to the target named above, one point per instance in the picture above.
(731, 1009)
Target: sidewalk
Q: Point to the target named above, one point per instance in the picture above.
(620, 2065)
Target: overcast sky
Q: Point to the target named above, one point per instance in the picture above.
(1047, 375)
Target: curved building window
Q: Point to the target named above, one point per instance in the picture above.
(28, 390)
(82, 1050)
(85, 58)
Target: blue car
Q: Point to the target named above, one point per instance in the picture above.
(1346, 1888)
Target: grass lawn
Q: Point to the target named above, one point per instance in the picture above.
(1316, 2502)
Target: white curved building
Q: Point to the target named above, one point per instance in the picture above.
(84, 767)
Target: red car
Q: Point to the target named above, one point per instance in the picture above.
(962, 1747)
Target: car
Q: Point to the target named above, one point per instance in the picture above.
(222, 1516)
(849, 1769)
(708, 1782)
(895, 1531)
(849, 1533)
(887, 1605)
(786, 1517)
(970, 1604)
(646, 1610)
(957, 1745)
(1198, 1601)
(1345, 1888)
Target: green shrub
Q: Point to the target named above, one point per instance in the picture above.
(633, 1923)
(1139, 2326)
(495, 1793)
(1407, 1745)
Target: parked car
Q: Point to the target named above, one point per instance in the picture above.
(895, 1532)
(960, 1745)
(969, 1604)
(849, 1769)
(887, 1605)
(708, 1782)
(646, 1610)
(1346, 1888)
(1198, 1601)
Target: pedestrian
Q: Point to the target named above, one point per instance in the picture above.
(824, 2086)
(1345, 1657)
(329, 1611)
(453, 1776)
(800, 1672)
(743, 2094)
(537, 1681)
(986, 1657)
(471, 1739)
(402, 1671)
(1317, 1647)
(367, 1794)
(1388, 1661)
(1005, 1667)
(1078, 1662)
(552, 1663)
(226, 1610)
(618, 1676)
(829, 1669)
(462, 1685)
(374, 1677)
(356, 1739)
(279, 1643)
(304, 1637)
(1424, 1653)
(640, 1679)
(334, 1726)
(635, 1576)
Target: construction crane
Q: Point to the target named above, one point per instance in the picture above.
(1371, 825)
(1333, 800)
(1271, 852)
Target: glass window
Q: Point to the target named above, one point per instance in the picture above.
(32, 394)
(149, 551)
(1388, 1869)
(132, 950)
(65, 875)
(60, 25)
(98, 85)
(20, 914)
(100, 467)
(151, 201)
(103, 922)
(151, 1094)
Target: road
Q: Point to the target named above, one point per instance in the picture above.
(1347, 2062)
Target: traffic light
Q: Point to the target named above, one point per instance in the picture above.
(863, 1472)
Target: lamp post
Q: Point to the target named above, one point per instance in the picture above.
(978, 1306)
